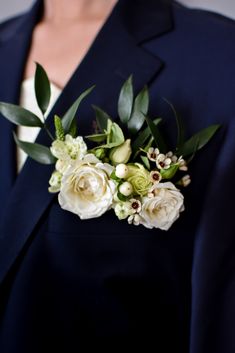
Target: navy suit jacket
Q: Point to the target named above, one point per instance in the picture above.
(74, 286)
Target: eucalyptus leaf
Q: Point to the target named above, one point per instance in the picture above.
(125, 101)
(69, 116)
(42, 88)
(140, 109)
(101, 117)
(200, 139)
(19, 115)
(39, 153)
(158, 139)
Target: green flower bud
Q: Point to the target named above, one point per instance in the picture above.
(58, 128)
(140, 179)
(100, 153)
(121, 154)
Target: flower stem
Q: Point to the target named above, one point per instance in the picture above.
(48, 132)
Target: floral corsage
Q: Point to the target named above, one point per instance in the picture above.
(128, 167)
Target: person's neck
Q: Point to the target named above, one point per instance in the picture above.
(58, 11)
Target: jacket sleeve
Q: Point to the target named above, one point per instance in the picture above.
(213, 275)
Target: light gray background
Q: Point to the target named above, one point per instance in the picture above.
(9, 8)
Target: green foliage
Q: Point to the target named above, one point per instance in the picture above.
(158, 139)
(19, 115)
(200, 139)
(42, 88)
(59, 131)
(125, 101)
(69, 116)
(39, 153)
(170, 172)
(179, 124)
(142, 137)
(145, 160)
(102, 118)
(73, 129)
(140, 109)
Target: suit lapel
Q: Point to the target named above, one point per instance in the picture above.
(113, 56)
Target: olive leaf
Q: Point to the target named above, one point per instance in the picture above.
(179, 124)
(102, 118)
(140, 109)
(158, 139)
(69, 116)
(19, 115)
(125, 101)
(42, 88)
(200, 139)
(39, 153)
(143, 137)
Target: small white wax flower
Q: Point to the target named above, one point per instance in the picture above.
(155, 176)
(186, 180)
(182, 164)
(134, 219)
(135, 206)
(126, 188)
(152, 154)
(163, 162)
(121, 171)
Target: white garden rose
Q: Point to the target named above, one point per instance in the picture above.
(70, 149)
(163, 208)
(86, 188)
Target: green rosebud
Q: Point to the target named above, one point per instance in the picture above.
(121, 154)
(100, 153)
(140, 179)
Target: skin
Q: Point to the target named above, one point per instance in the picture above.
(63, 36)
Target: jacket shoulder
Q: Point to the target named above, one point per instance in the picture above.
(10, 25)
(207, 17)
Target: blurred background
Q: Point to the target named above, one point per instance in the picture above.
(227, 7)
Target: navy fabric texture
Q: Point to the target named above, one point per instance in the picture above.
(68, 285)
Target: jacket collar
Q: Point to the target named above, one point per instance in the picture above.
(117, 53)
(145, 20)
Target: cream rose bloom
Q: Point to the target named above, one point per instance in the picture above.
(86, 188)
(163, 208)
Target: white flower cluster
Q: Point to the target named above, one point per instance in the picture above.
(88, 187)
(155, 205)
